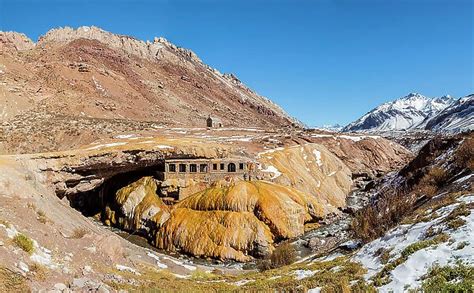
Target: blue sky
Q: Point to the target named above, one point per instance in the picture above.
(325, 62)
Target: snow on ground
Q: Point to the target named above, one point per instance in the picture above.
(242, 282)
(126, 269)
(317, 154)
(40, 255)
(179, 263)
(125, 136)
(107, 145)
(358, 138)
(272, 169)
(158, 263)
(269, 151)
(418, 263)
(302, 274)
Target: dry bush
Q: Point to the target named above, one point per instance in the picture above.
(40, 272)
(437, 176)
(284, 254)
(373, 220)
(42, 217)
(11, 281)
(464, 155)
(78, 233)
(431, 182)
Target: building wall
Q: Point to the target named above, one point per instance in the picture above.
(209, 175)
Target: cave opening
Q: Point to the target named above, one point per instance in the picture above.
(91, 203)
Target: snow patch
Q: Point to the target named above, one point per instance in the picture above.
(272, 169)
(123, 268)
(302, 274)
(107, 145)
(317, 154)
(158, 263)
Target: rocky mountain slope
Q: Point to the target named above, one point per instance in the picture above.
(459, 116)
(88, 74)
(409, 112)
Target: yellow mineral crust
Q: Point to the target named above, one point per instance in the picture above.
(140, 205)
(219, 234)
(283, 209)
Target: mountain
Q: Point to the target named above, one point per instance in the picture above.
(89, 72)
(459, 116)
(409, 112)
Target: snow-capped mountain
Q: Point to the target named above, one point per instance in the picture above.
(459, 116)
(330, 127)
(410, 112)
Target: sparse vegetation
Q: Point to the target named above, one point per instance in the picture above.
(42, 217)
(11, 281)
(348, 278)
(24, 242)
(4, 223)
(453, 220)
(373, 220)
(383, 277)
(457, 278)
(38, 271)
(383, 254)
(79, 232)
(464, 155)
(432, 182)
(31, 205)
(284, 254)
(461, 245)
(456, 223)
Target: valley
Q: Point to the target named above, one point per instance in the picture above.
(132, 165)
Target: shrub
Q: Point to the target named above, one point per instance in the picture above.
(284, 254)
(39, 271)
(11, 281)
(24, 242)
(78, 233)
(464, 155)
(42, 217)
(384, 255)
(458, 278)
(373, 220)
(456, 223)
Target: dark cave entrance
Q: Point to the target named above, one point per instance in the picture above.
(91, 203)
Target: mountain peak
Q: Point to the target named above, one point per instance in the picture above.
(407, 112)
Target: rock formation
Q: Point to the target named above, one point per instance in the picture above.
(137, 207)
(311, 169)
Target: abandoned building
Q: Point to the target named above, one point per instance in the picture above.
(206, 170)
(214, 122)
(193, 175)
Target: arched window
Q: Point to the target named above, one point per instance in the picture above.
(231, 167)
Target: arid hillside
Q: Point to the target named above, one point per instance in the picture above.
(90, 76)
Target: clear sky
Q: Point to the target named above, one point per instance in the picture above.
(324, 61)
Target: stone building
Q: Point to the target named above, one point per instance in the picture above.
(214, 122)
(206, 170)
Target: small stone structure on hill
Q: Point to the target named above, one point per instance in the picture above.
(214, 122)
